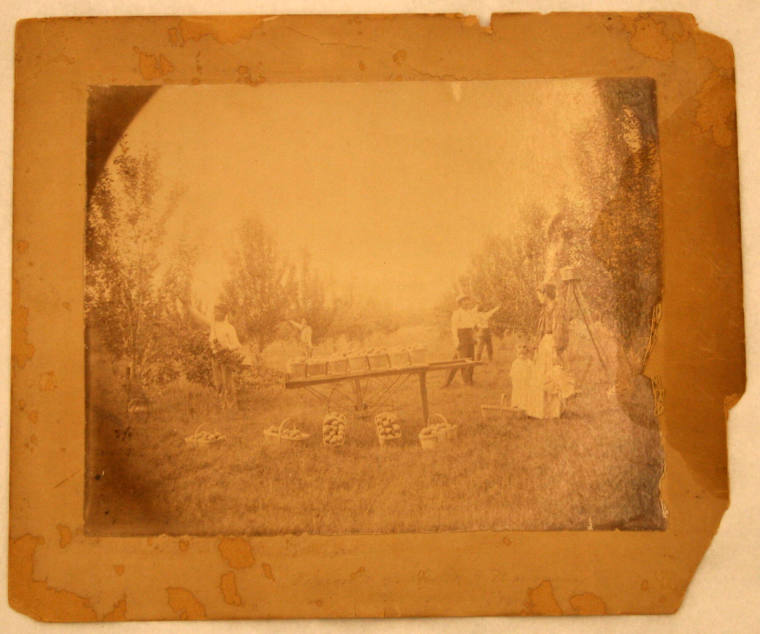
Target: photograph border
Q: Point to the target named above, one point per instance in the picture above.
(698, 366)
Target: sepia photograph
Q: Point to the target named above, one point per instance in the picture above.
(370, 308)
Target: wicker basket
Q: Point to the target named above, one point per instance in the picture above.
(297, 369)
(277, 435)
(316, 367)
(358, 363)
(385, 440)
(379, 361)
(428, 441)
(203, 438)
(337, 366)
(450, 432)
(418, 355)
(326, 424)
(400, 358)
(431, 438)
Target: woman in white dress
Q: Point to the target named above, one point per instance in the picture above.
(543, 398)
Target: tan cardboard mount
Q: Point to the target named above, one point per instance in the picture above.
(57, 573)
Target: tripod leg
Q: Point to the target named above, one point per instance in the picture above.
(579, 300)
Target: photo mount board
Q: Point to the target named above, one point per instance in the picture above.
(58, 573)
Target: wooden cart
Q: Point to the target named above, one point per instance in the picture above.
(389, 379)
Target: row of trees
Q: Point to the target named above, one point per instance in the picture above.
(613, 241)
(134, 279)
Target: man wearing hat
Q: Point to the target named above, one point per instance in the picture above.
(463, 321)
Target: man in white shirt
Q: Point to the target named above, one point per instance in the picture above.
(304, 336)
(225, 349)
(463, 321)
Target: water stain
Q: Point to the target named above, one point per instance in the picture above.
(184, 604)
(237, 552)
(228, 586)
(36, 598)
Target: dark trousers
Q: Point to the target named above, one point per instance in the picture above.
(465, 350)
(484, 343)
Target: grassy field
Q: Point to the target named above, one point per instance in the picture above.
(593, 468)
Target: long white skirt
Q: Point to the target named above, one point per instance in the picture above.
(548, 385)
(520, 374)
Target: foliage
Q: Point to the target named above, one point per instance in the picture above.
(625, 237)
(261, 287)
(185, 340)
(507, 271)
(125, 229)
(613, 242)
(311, 302)
(357, 318)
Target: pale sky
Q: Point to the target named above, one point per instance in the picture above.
(390, 185)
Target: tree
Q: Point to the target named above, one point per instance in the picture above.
(622, 240)
(185, 340)
(125, 229)
(261, 288)
(507, 271)
(312, 303)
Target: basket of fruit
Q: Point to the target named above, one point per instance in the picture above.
(358, 362)
(438, 430)
(400, 358)
(334, 430)
(297, 368)
(202, 438)
(429, 438)
(446, 430)
(316, 367)
(418, 355)
(285, 434)
(388, 426)
(337, 365)
(379, 359)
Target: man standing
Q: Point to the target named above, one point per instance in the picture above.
(304, 336)
(463, 321)
(225, 353)
(225, 350)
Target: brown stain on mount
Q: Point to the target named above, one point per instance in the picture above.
(36, 598)
(716, 112)
(23, 350)
(224, 29)
(237, 552)
(648, 36)
(541, 600)
(64, 535)
(152, 66)
(48, 381)
(267, 569)
(588, 604)
(244, 76)
(184, 604)
(118, 612)
(228, 586)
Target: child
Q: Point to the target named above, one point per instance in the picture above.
(520, 374)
